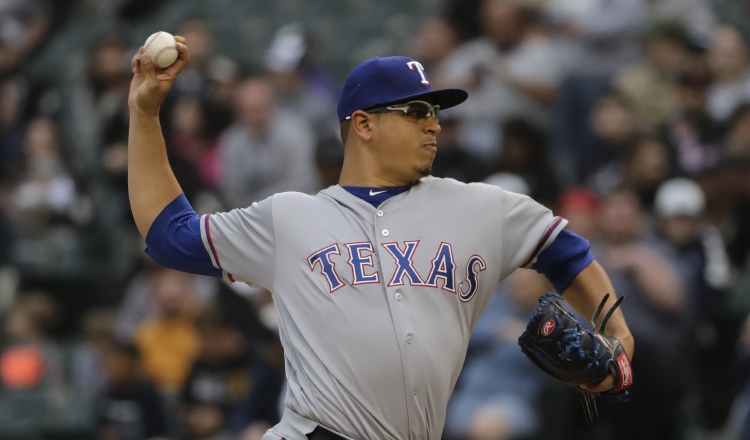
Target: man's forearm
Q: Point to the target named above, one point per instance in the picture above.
(585, 293)
(151, 182)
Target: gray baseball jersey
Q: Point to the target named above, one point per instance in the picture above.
(376, 306)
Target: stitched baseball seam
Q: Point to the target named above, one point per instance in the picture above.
(152, 40)
(161, 51)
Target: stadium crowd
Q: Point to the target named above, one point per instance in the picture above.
(630, 118)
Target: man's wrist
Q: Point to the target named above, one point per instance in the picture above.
(136, 111)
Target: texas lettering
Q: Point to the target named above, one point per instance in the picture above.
(360, 262)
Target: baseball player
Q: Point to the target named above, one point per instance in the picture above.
(379, 280)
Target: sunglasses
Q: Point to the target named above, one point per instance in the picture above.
(416, 111)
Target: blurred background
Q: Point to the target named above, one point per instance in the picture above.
(630, 118)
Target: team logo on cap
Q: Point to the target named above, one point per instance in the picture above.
(414, 65)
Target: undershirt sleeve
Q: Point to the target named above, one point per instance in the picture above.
(564, 259)
(174, 240)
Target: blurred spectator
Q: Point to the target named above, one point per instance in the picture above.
(6, 231)
(97, 103)
(615, 127)
(452, 160)
(596, 40)
(692, 133)
(200, 36)
(13, 91)
(225, 373)
(731, 208)
(512, 70)
(266, 150)
(655, 307)
(696, 16)
(191, 144)
(697, 250)
(24, 25)
(728, 207)
(464, 16)
(329, 158)
(495, 398)
(96, 114)
(130, 407)
(433, 43)
(31, 358)
(644, 167)
(50, 213)
(734, 13)
(651, 83)
(301, 85)
(139, 304)
(737, 135)
(35, 395)
(580, 207)
(639, 164)
(524, 151)
(730, 67)
(168, 342)
(96, 332)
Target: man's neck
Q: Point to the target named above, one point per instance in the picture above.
(365, 177)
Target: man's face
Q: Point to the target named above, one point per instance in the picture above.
(405, 148)
(254, 105)
(681, 230)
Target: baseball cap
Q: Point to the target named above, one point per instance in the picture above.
(388, 80)
(679, 196)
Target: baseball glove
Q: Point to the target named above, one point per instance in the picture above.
(574, 352)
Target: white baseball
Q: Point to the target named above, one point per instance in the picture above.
(162, 48)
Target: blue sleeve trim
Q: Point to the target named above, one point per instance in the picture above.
(174, 240)
(564, 259)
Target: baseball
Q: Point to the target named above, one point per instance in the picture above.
(162, 49)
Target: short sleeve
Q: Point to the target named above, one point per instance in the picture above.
(527, 229)
(242, 243)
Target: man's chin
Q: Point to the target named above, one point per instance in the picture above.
(423, 171)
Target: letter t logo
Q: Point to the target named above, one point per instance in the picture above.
(415, 65)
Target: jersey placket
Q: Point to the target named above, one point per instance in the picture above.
(400, 293)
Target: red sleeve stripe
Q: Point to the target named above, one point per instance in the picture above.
(541, 242)
(211, 242)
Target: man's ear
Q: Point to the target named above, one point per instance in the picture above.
(362, 125)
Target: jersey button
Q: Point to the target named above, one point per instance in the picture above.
(380, 213)
(409, 339)
(385, 232)
(399, 296)
(415, 393)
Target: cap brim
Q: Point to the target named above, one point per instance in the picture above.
(445, 98)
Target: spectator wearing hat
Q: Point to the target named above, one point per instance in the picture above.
(655, 304)
(301, 86)
(580, 206)
(697, 250)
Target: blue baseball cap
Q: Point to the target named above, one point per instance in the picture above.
(390, 80)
